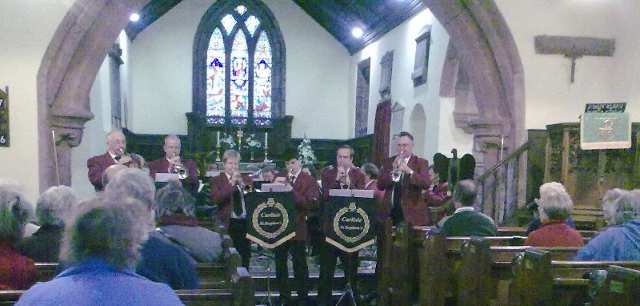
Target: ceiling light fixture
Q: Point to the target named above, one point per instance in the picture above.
(357, 32)
(134, 17)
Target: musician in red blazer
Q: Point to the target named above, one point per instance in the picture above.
(116, 146)
(344, 175)
(413, 180)
(227, 194)
(306, 193)
(172, 147)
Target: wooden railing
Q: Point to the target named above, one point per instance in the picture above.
(501, 185)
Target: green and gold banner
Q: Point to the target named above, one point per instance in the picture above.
(271, 218)
(351, 221)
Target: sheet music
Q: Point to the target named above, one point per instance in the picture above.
(276, 187)
(165, 177)
(356, 193)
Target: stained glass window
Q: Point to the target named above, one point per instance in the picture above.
(239, 70)
(228, 22)
(216, 77)
(252, 24)
(262, 81)
(241, 9)
(239, 77)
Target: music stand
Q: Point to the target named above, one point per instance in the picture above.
(272, 187)
(355, 193)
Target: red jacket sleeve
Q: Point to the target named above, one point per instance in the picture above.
(420, 177)
(192, 179)
(95, 172)
(221, 191)
(306, 198)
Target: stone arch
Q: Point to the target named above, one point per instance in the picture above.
(80, 43)
(418, 127)
(484, 73)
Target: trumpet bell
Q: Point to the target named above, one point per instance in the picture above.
(180, 170)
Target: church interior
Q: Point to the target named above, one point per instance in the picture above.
(431, 152)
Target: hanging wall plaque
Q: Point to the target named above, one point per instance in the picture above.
(4, 117)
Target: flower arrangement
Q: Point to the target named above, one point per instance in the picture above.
(228, 140)
(252, 142)
(305, 153)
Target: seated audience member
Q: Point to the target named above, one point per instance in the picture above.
(608, 205)
(53, 206)
(32, 225)
(101, 247)
(554, 207)
(177, 222)
(16, 271)
(621, 241)
(465, 221)
(536, 223)
(161, 260)
(109, 173)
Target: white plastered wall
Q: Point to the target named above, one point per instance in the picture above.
(26, 28)
(550, 96)
(441, 134)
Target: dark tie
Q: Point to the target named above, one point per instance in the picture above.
(292, 179)
(237, 201)
(397, 214)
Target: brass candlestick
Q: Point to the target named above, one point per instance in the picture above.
(218, 147)
(239, 134)
(266, 145)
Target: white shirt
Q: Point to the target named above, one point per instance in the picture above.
(463, 209)
(244, 208)
(295, 177)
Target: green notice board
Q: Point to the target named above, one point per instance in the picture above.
(605, 126)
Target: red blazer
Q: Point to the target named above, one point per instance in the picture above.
(306, 194)
(162, 166)
(97, 165)
(329, 175)
(414, 206)
(221, 192)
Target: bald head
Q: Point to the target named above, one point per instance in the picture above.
(464, 194)
(116, 142)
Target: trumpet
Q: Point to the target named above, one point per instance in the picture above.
(343, 178)
(244, 188)
(396, 174)
(135, 160)
(178, 168)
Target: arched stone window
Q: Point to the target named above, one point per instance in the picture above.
(239, 65)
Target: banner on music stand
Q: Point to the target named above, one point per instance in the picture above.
(271, 217)
(350, 215)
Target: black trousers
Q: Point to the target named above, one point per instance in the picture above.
(328, 258)
(297, 249)
(238, 233)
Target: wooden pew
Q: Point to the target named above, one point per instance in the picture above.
(621, 287)
(539, 280)
(478, 267)
(521, 231)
